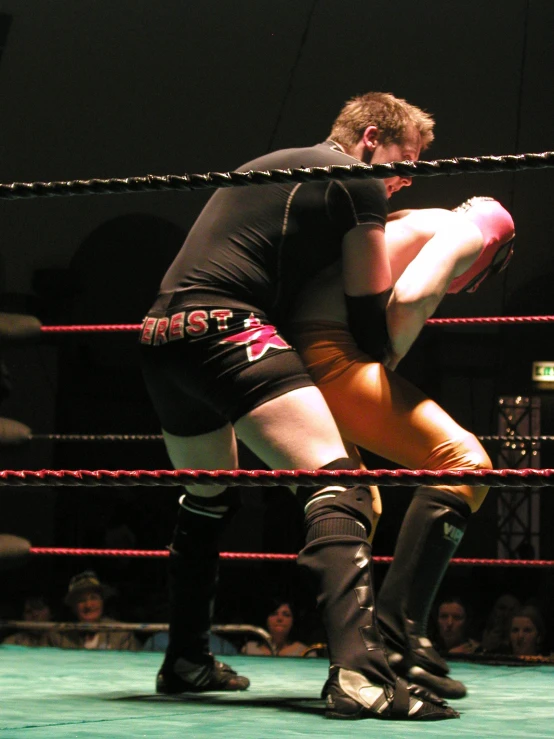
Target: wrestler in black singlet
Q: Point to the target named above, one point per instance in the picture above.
(235, 279)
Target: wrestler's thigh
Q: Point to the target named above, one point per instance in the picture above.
(215, 450)
(382, 412)
(294, 430)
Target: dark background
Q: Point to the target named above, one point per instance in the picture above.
(98, 88)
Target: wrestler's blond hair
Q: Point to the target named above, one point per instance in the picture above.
(391, 115)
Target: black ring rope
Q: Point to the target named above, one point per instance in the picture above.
(507, 478)
(214, 180)
(158, 437)
(510, 439)
(95, 437)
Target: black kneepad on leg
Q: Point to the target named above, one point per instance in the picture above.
(331, 512)
(200, 523)
(303, 493)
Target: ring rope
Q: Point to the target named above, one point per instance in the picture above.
(214, 180)
(489, 320)
(159, 437)
(135, 327)
(97, 437)
(92, 329)
(510, 439)
(266, 557)
(516, 478)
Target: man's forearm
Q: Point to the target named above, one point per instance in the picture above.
(405, 321)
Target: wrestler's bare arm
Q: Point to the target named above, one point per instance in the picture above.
(406, 233)
(422, 272)
(365, 261)
(364, 270)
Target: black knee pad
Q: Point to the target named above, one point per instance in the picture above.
(200, 524)
(230, 498)
(303, 493)
(331, 512)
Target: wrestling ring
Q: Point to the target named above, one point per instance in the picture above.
(58, 693)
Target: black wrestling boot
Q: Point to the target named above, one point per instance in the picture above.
(186, 677)
(350, 695)
(431, 531)
(189, 665)
(337, 557)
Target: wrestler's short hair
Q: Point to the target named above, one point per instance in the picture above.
(391, 115)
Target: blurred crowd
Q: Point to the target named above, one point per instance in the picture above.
(511, 628)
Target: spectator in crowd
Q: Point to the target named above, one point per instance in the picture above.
(453, 626)
(527, 632)
(280, 624)
(86, 596)
(496, 634)
(37, 609)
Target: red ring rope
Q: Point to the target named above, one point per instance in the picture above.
(134, 327)
(516, 478)
(260, 556)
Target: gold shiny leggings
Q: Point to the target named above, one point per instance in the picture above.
(378, 410)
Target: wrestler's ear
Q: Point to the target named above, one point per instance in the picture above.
(370, 137)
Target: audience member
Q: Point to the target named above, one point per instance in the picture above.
(453, 626)
(496, 634)
(85, 597)
(280, 625)
(527, 632)
(36, 609)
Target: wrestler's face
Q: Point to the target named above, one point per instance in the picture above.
(89, 606)
(524, 636)
(409, 149)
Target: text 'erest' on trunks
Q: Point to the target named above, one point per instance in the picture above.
(192, 323)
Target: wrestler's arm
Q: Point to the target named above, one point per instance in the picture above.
(450, 245)
(365, 261)
(367, 287)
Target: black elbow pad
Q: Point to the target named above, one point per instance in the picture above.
(367, 320)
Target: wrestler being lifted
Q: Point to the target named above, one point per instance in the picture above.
(432, 252)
